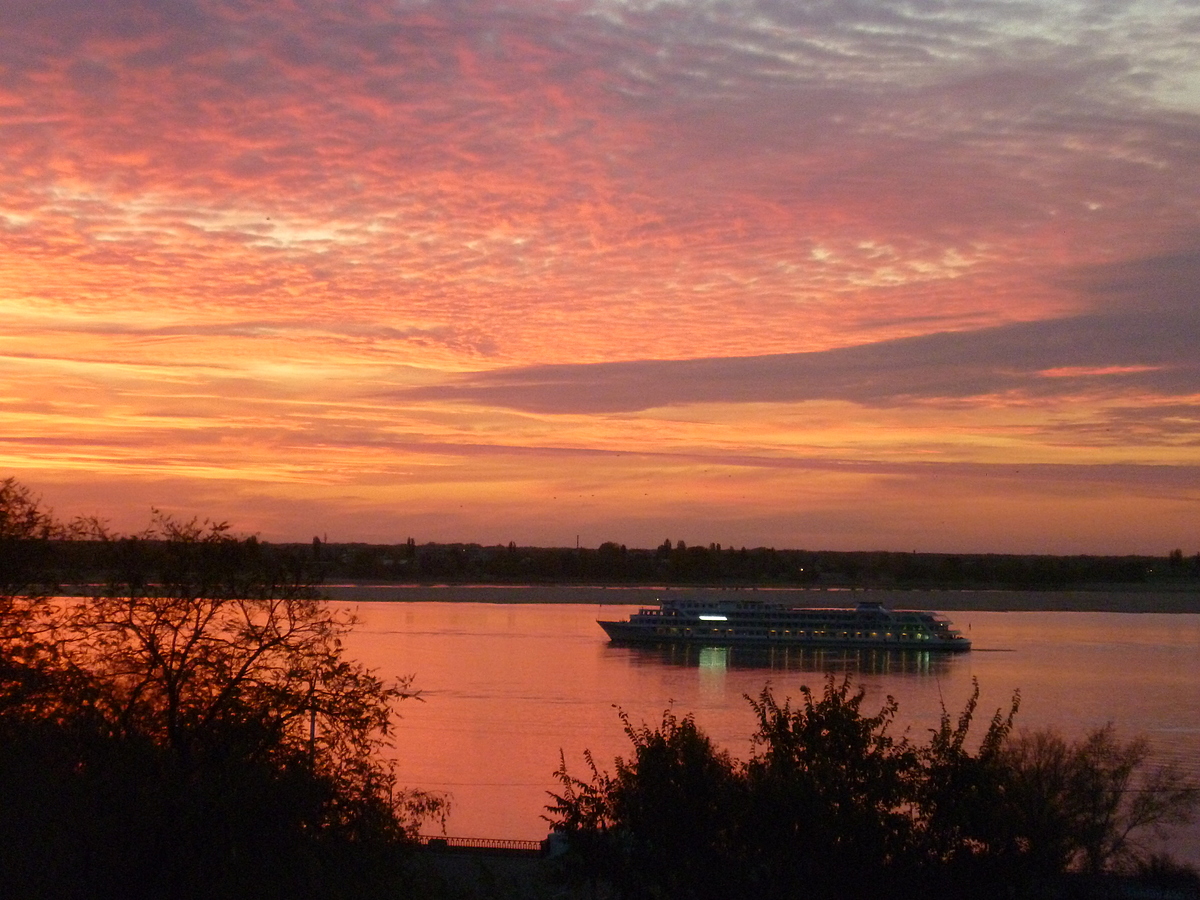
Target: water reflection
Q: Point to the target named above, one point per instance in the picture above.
(791, 659)
(507, 687)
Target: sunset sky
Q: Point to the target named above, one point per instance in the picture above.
(843, 274)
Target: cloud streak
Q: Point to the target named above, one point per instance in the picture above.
(1114, 354)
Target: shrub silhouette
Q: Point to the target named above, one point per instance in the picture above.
(830, 793)
(674, 799)
(832, 805)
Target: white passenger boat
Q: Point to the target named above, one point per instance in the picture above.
(753, 621)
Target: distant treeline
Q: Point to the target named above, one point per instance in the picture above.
(678, 563)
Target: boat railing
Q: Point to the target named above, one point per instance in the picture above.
(435, 842)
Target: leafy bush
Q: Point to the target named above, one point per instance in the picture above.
(674, 799)
(832, 805)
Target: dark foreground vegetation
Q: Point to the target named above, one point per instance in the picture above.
(189, 727)
(192, 729)
(832, 806)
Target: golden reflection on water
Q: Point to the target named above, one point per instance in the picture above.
(793, 659)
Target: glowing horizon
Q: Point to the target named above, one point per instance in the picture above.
(836, 277)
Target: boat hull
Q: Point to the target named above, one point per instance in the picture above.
(633, 633)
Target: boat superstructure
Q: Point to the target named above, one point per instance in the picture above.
(755, 621)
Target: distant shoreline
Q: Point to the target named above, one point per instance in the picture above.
(1119, 601)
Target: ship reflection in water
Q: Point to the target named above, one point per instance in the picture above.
(790, 659)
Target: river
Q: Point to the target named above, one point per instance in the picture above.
(506, 687)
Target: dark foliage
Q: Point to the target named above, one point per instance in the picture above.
(193, 730)
(832, 806)
(830, 793)
(90, 814)
(28, 536)
(677, 797)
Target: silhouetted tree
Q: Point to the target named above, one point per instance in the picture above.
(662, 824)
(26, 530)
(831, 792)
(966, 845)
(28, 576)
(1084, 805)
(193, 730)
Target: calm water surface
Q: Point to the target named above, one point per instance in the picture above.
(507, 687)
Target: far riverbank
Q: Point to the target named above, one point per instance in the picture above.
(1120, 601)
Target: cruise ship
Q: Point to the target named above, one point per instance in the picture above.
(752, 621)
